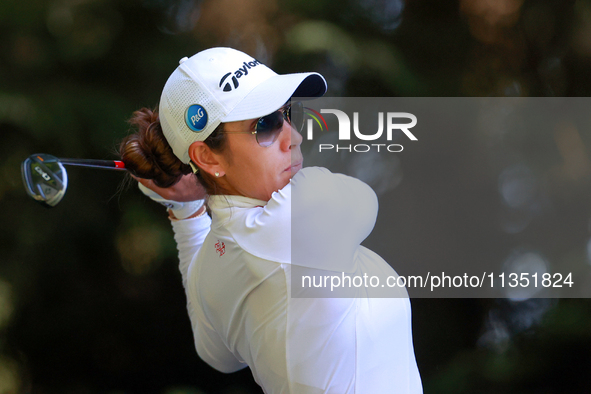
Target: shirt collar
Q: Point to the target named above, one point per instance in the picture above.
(222, 205)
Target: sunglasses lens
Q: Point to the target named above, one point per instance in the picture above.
(296, 115)
(268, 128)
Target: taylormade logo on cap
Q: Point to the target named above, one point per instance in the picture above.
(242, 71)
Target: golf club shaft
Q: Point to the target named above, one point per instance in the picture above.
(104, 164)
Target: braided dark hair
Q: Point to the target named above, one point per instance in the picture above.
(147, 154)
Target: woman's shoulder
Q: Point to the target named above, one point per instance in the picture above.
(317, 209)
(311, 179)
(312, 175)
(317, 190)
(331, 215)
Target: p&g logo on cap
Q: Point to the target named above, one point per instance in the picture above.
(196, 117)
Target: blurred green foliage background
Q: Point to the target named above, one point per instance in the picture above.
(90, 295)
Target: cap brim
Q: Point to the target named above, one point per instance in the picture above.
(274, 92)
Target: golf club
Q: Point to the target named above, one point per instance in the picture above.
(46, 179)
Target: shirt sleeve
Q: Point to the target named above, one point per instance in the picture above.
(209, 344)
(317, 221)
(331, 214)
(189, 235)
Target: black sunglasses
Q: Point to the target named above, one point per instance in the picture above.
(268, 127)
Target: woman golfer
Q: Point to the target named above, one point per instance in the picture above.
(226, 118)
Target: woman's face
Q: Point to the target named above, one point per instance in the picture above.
(254, 171)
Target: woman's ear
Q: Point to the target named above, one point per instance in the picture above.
(205, 158)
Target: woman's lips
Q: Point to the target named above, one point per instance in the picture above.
(294, 167)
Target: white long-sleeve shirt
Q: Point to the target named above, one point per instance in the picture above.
(239, 291)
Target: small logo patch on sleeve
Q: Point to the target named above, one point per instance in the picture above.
(220, 248)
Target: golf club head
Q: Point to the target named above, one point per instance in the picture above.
(45, 179)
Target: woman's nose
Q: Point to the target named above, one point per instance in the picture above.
(290, 137)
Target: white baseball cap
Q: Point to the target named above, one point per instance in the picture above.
(224, 85)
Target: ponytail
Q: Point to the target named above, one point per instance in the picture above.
(147, 154)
